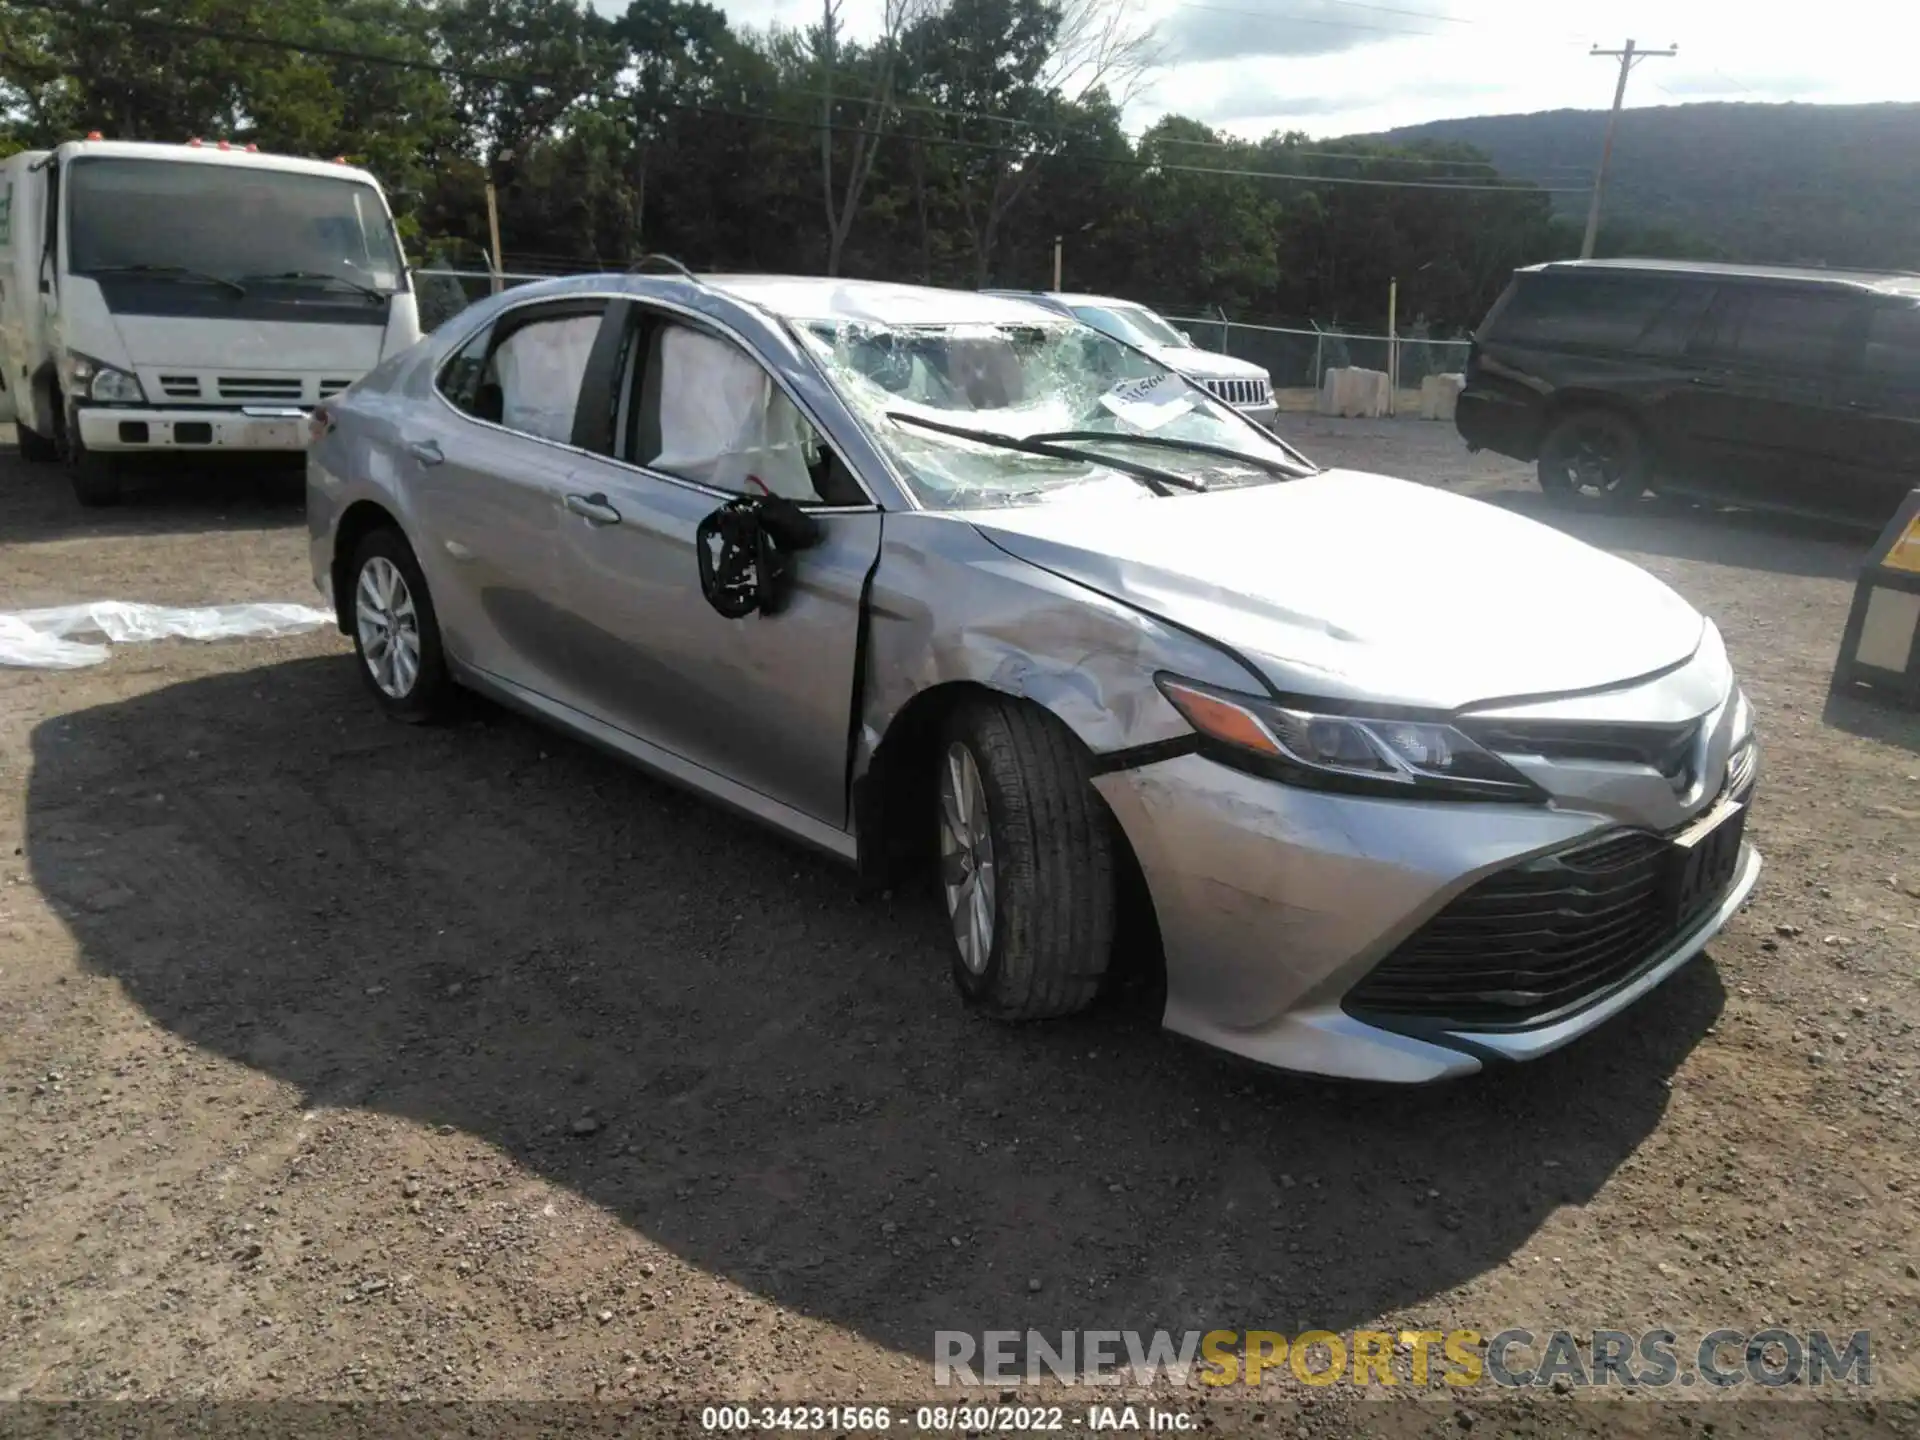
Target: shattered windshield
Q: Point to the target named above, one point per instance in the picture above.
(1131, 324)
(1061, 383)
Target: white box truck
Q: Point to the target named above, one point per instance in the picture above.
(179, 298)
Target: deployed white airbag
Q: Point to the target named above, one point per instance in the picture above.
(540, 368)
(723, 422)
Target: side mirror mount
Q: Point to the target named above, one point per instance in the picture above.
(1186, 338)
(745, 550)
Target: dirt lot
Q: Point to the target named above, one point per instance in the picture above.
(347, 1060)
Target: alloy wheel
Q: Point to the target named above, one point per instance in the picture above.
(966, 857)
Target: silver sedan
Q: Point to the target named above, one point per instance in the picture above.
(1400, 785)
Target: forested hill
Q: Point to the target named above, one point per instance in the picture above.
(1838, 184)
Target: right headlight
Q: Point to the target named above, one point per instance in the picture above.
(1324, 750)
(105, 383)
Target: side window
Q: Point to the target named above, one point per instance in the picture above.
(539, 368)
(1893, 345)
(460, 377)
(705, 410)
(1787, 330)
(1588, 312)
(530, 380)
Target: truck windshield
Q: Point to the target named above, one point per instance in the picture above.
(229, 221)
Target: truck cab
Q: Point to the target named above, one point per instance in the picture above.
(170, 298)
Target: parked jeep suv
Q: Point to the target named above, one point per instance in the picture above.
(1765, 386)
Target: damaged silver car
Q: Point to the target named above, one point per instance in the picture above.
(1402, 785)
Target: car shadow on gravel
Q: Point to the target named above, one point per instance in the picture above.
(691, 1024)
(162, 497)
(1750, 539)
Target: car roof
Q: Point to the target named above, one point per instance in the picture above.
(1894, 282)
(814, 297)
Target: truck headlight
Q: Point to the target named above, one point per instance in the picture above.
(105, 383)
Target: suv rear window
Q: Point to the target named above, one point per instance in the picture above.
(1648, 315)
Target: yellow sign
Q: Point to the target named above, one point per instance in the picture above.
(1905, 554)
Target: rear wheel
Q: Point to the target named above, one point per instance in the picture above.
(1026, 863)
(1594, 458)
(395, 632)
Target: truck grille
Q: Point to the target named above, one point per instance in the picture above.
(258, 387)
(180, 387)
(1240, 392)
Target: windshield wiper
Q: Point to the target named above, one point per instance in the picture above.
(1154, 479)
(366, 290)
(174, 272)
(1169, 442)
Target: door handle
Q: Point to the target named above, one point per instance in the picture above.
(427, 452)
(1709, 382)
(594, 509)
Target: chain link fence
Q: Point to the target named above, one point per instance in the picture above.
(1300, 359)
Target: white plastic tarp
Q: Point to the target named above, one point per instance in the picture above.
(725, 423)
(51, 639)
(540, 367)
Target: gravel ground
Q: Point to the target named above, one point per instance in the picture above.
(344, 1060)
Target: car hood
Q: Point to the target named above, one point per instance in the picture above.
(1347, 585)
(1205, 364)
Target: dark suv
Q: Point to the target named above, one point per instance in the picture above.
(1784, 388)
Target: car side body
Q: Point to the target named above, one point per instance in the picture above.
(1772, 387)
(564, 581)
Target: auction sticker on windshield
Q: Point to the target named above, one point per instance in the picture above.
(1150, 403)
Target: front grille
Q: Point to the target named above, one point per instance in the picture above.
(1238, 392)
(256, 387)
(180, 387)
(1529, 941)
(1740, 767)
(330, 388)
(1669, 749)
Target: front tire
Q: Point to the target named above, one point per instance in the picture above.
(36, 448)
(395, 632)
(95, 477)
(1026, 863)
(1594, 458)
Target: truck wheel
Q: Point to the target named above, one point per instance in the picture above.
(395, 632)
(95, 477)
(1594, 458)
(35, 447)
(1026, 862)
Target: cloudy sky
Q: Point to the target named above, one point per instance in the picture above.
(1340, 67)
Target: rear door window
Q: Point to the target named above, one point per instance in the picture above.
(1631, 314)
(1788, 331)
(1893, 346)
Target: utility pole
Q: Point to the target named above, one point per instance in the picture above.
(1628, 58)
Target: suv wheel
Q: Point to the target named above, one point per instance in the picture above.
(1594, 458)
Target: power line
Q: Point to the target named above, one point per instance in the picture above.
(338, 52)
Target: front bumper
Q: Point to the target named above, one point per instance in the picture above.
(1274, 902)
(1262, 415)
(129, 428)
